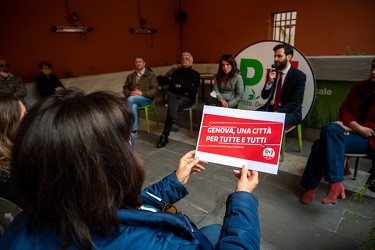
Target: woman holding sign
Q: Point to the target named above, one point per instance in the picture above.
(83, 189)
(229, 87)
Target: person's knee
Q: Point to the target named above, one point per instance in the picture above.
(332, 127)
(211, 101)
(131, 100)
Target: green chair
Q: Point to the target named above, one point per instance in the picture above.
(145, 108)
(299, 134)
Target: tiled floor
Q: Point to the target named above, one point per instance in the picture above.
(286, 223)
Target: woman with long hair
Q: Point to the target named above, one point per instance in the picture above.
(229, 87)
(80, 181)
(11, 112)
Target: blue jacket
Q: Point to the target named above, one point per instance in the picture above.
(141, 229)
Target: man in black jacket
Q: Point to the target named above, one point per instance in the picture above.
(46, 82)
(183, 87)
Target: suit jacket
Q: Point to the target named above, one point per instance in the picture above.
(291, 93)
(349, 110)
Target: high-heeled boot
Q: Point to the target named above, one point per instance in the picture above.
(309, 196)
(335, 190)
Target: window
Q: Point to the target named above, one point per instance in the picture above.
(284, 26)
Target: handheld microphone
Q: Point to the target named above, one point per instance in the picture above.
(274, 67)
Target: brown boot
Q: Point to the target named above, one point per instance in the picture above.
(335, 190)
(309, 196)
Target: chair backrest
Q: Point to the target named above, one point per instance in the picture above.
(195, 104)
(196, 98)
(8, 210)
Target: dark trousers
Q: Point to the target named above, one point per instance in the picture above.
(213, 101)
(290, 118)
(176, 103)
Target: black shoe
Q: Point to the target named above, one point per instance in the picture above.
(162, 141)
(175, 127)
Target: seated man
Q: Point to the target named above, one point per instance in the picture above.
(183, 87)
(46, 82)
(140, 88)
(12, 84)
(285, 87)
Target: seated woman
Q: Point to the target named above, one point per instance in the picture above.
(11, 112)
(81, 184)
(229, 87)
(47, 83)
(354, 133)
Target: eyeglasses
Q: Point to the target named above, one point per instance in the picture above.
(168, 207)
(4, 65)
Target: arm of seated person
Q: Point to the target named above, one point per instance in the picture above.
(171, 189)
(241, 222)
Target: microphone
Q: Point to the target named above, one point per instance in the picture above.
(274, 68)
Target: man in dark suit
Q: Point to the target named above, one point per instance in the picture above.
(291, 85)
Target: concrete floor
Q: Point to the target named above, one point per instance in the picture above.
(286, 223)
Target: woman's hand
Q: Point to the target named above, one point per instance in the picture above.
(365, 131)
(247, 179)
(224, 103)
(187, 165)
(347, 128)
(339, 123)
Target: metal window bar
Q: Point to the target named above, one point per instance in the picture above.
(284, 26)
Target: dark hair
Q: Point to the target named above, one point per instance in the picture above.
(221, 76)
(44, 63)
(139, 57)
(10, 117)
(288, 49)
(74, 165)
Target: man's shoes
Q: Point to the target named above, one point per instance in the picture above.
(175, 127)
(134, 134)
(162, 141)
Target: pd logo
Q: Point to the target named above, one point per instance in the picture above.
(268, 153)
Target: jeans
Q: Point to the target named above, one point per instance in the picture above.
(135, 101)
(327, 155)
(212, 232)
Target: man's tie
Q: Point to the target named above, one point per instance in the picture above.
(278, 92)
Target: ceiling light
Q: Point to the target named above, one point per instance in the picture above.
(70, 29)
(143, 30)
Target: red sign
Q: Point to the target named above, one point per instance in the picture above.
(236, 137)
